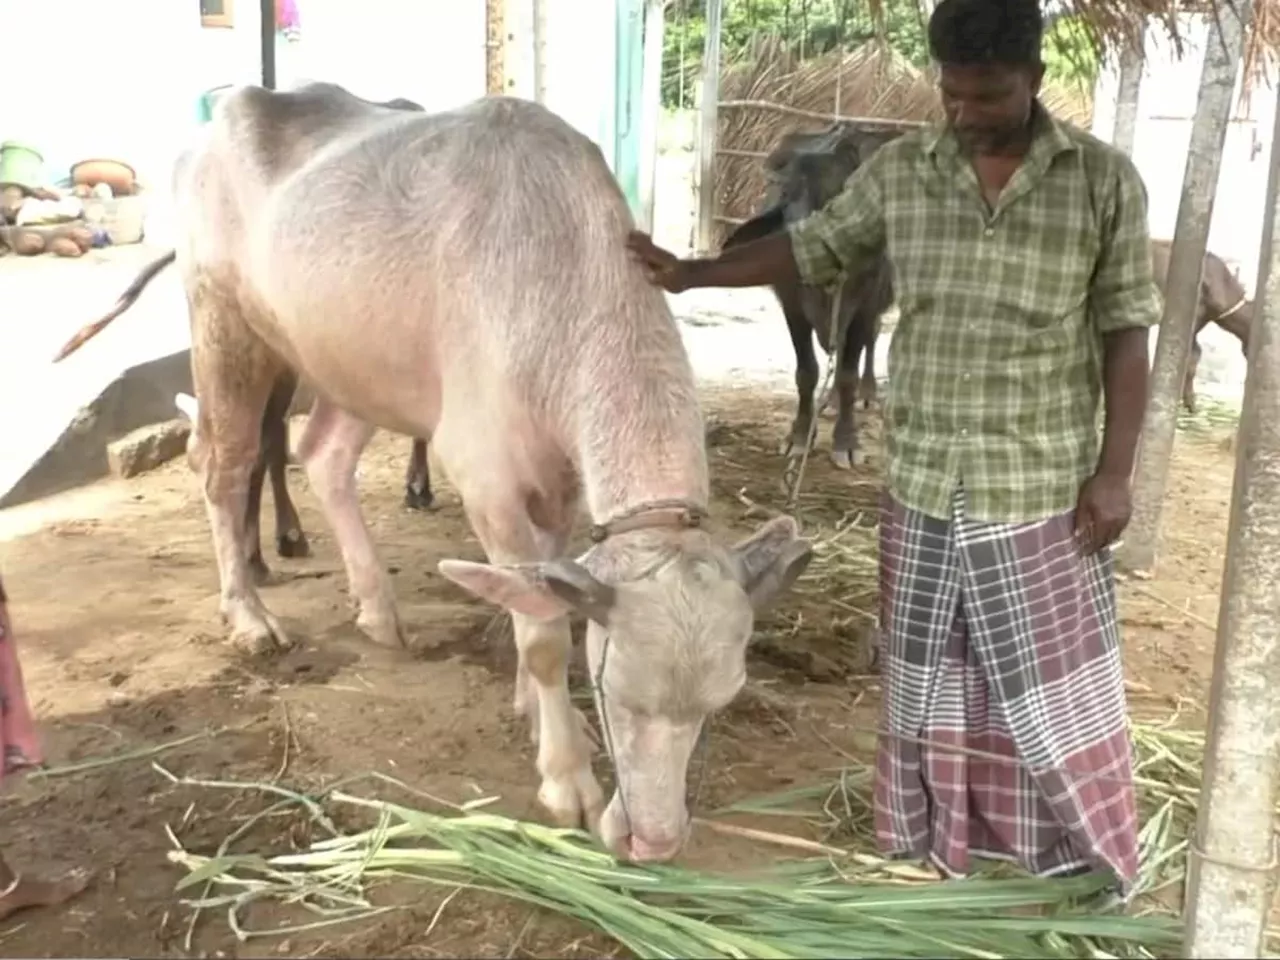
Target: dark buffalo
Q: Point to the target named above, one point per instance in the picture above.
(807, 170)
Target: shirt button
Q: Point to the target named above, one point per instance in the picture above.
(989, 232)
(965, 376)
(964, 431)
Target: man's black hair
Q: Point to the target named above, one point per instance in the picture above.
(978, 32)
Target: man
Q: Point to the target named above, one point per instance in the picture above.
(1023, 274)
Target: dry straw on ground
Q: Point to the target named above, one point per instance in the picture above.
(766, 94)
(824, 627)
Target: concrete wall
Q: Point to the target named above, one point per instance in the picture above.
(140, 396)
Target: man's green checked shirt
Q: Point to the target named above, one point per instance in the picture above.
(995, 369)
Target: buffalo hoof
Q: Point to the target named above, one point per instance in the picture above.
(842, 459)
(418, 499)
(792, 448)
(385, 629)
(292, 544)
(574, 800)
(256, 632)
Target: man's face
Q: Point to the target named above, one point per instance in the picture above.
(988, 106)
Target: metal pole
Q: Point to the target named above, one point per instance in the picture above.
(1232, 861)
(708, 112)
(267, 41)
(1223, 49)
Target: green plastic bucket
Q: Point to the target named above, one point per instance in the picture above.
(20, 164)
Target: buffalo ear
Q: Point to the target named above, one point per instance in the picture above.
(771, 560)
(542, 591)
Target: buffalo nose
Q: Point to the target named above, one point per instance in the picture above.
(658, 849)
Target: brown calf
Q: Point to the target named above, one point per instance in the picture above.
(1222, 301)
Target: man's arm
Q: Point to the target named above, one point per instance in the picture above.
(816, 250)
(1124, 307)
(759, 263)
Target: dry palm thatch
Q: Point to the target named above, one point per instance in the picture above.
(1115, 23)
(766, 94)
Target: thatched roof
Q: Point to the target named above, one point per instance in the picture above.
(1114, 24)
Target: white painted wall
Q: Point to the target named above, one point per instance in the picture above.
(561, 53)
(1166, 105)
(432, 53)
(86, 78)
(143, 64)
(580, 66)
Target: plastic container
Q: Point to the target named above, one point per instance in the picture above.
(20, 164)
(208, 101)
(116, 174)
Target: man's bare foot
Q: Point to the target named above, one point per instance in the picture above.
(37, 892)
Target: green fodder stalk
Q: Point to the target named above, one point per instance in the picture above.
(828, 907)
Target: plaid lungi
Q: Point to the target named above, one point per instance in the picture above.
(1001, 640)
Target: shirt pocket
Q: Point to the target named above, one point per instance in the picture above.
(1044, 275)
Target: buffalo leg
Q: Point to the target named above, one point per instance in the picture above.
(273, 452)
(233, 371)
(806, 379)
(290, 540)
(509, 535)
(252, 519)
(867, 389)
(417, 480)
(1238, 325)
(330, 450)
(1189, 382)
(844, 438)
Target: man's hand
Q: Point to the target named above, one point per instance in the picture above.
(661, 266)
(1102, 511)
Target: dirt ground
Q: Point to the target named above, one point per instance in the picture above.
(114, 595)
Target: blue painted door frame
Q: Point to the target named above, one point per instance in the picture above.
(628, 72)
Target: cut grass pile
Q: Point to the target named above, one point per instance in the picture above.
(848, 902)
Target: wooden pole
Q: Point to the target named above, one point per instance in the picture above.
(708, 110)
(1232, 861)
(1223, 49)
(1131, 64)
(495, 37)
(519, 49)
